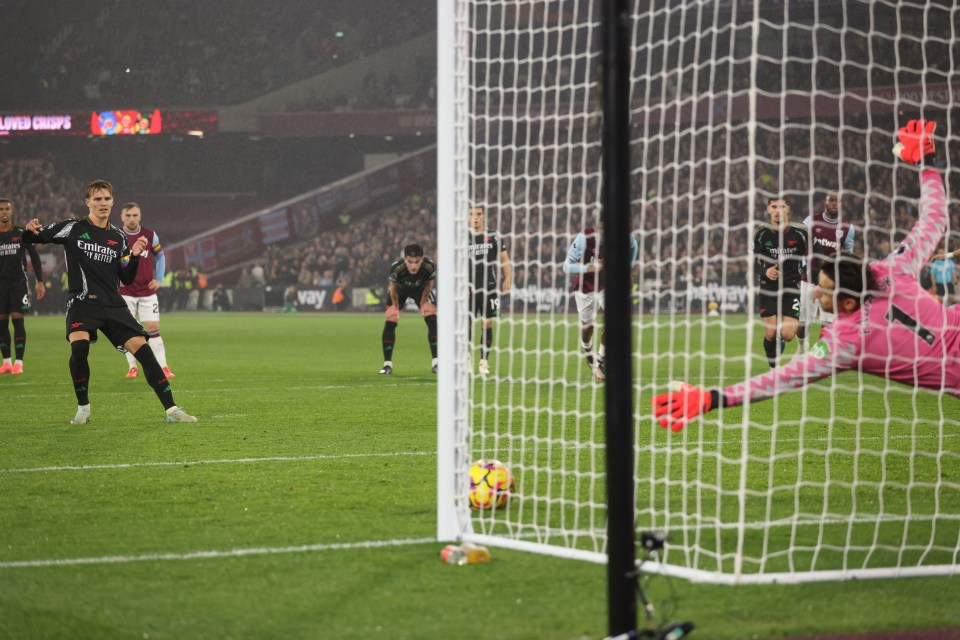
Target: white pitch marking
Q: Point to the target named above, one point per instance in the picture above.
(205, 555)
(179, 463)
(330, 387)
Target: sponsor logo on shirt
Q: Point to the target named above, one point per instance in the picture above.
(830, 244)
(820, 350)
(96, 252)
(783, 251)
(481, 247)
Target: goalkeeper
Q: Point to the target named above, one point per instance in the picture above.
(886, 324)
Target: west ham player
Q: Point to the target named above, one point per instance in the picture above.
(15, 287)
(829, 233)
(411, 277)
(886, 325)
(488, 255)
(779, 249)
(98, 260)
(585, 262)
(141, 294)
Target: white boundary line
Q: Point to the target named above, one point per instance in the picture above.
(345, 456)
(205, 555)
(176, 463)
(420, 382)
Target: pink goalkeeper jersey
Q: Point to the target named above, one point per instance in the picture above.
(902, 333)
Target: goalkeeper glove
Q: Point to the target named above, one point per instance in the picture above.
(915, 141)
(675, 409)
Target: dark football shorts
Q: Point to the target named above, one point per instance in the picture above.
(14, 299)
(114, 322)
(786, 305)
(485, 304)
(403, 296)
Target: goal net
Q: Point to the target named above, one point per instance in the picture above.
(732, 103)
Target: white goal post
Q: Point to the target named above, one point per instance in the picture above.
(732, 103)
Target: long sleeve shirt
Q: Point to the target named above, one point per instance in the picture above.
(98, 259)
(901, 333)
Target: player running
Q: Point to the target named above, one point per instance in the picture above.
(98, 260)
(886, 324)
(779, 248)
(411, 277)
(488, 255)
(15, 288)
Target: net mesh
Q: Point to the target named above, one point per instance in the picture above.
(732, 104)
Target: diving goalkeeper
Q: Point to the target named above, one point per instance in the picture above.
(886, 324)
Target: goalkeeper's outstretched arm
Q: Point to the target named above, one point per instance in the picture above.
(678, 407)
(842, 345)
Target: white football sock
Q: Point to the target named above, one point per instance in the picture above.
(156, 344)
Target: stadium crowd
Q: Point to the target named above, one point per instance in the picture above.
(184, 52)
(194, 53)
(357, 252)
(683, 240)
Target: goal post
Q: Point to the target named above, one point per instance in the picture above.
(731, 103)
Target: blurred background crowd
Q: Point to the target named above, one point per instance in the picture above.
(699, 191)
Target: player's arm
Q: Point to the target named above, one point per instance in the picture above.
(37, 269)
(764, 262)
(392, 314)
(394, 296)
(916, 146)
(507, 271)
(427, 308)
(848, 241)
(56, 233)
(830, 356)
(427, 290)
(159, 264)
(574, 262)
(805, 252)
(130, 259)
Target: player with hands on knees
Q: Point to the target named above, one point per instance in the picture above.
(413, 277)
(886, 324)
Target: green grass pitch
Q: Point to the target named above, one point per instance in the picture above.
(302, 505)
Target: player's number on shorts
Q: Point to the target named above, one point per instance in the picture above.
(796, 305)
(896, 314)
(156, 307)
(26, 299)
(494, 304)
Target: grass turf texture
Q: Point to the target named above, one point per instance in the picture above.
(354, 464)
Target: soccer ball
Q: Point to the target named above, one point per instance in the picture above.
(491, 484)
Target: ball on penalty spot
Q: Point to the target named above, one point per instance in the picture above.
(491, 484)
